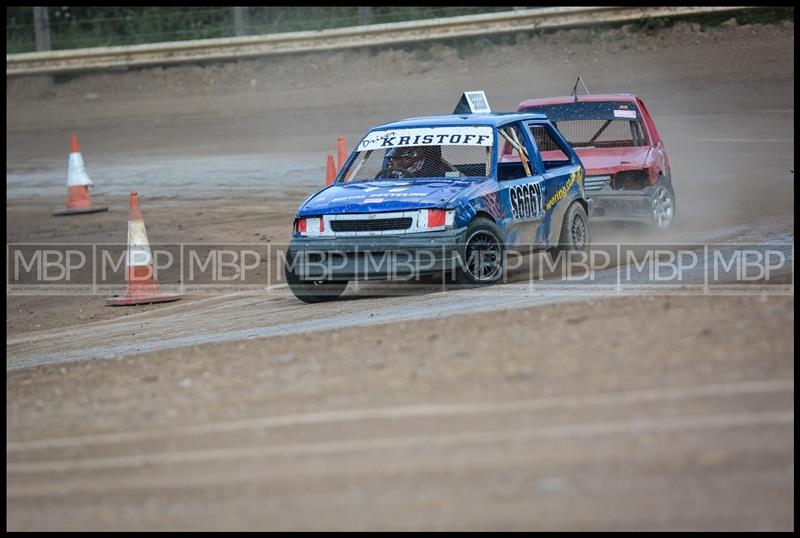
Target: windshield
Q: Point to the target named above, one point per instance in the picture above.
(602, 124)
(423, 153)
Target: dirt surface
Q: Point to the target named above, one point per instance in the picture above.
(357, 414)
(645, 413)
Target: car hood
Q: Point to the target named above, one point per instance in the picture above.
(612, 160)
(394, 195)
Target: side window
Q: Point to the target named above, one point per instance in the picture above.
(553, 154)
(514, 161)
(650, 125)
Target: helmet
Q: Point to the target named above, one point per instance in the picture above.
(414, 155)
(403, 153)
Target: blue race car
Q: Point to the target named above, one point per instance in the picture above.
(442, 194)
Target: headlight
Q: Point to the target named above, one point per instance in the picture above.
(435, 219)
(309, 226)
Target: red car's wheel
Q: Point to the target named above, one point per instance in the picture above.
(662, 204)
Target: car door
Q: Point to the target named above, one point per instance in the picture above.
(560, 172)
(521, 186)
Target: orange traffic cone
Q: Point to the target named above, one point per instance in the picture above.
(79, 199)
(142, 282)
(330, 174)
(342, 152)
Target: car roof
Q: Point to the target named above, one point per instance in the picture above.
(493, 120)
(581, 98)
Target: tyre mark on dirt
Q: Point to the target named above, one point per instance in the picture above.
(591, 429)
(403, 412)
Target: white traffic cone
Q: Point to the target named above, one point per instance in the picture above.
(142, 282)
(79, 199)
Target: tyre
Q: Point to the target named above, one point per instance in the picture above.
(314, 291)
(574, 236)
(662, 204)
(481, 254)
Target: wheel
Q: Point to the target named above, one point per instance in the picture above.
(481, 255)
(662, 204)
(314, 291)
(574, 235)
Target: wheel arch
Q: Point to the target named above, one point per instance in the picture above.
(485, 215)
(584, 203)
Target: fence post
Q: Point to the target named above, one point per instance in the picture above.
(364, 15)
(240, 21)
(41, 28)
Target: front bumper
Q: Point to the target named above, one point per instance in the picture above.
(386, 257)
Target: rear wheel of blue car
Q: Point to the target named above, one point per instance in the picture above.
(574, 235)
(314, 291)
(481, 260)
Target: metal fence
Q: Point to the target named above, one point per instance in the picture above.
(84, 27)
(408, 32)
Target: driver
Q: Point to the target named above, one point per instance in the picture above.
(416, 161)
(409, 161)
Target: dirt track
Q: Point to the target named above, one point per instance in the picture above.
(464, 422)
(584, 416)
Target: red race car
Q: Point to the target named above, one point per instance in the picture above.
(627, 170)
